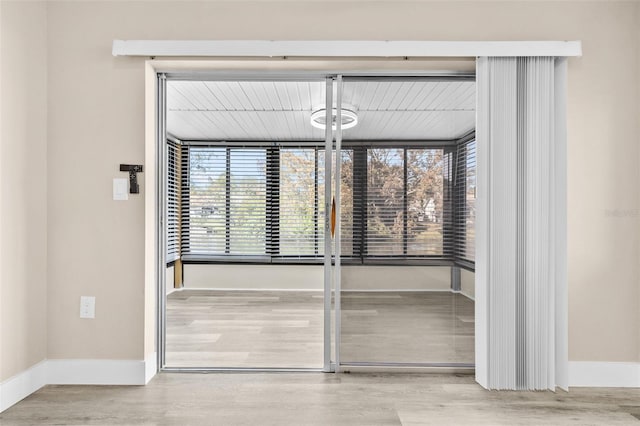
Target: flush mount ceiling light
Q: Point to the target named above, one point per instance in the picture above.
(348, 117)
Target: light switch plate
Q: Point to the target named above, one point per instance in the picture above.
(87, 307)
(120, 189)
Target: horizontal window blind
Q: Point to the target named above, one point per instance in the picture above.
(246, 201)
(406, 202)
(465, 201)
(385, 202)
(173, 202)
(205, 218)
(268, 202)
(299, 215)
(426, 202)
(351, 205)
(227, 202)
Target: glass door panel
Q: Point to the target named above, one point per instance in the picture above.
(247, 229)
(398, 303)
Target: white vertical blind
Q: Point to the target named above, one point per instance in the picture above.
(519, 224)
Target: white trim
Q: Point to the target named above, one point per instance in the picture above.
(343, 48)
(150, 367)
(20, 386)
(96, 372)
(604, 374)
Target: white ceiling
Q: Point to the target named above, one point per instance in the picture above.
(280, 111)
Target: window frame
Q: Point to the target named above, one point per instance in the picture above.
(359, 243)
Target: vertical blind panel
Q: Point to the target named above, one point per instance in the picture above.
(173, 202)
(517, 133)
(503, 219)
(537, 135)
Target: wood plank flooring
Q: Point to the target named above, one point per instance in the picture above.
(211, 328)
(407, 327)
(320, 399)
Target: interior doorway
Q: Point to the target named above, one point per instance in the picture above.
(291, 244)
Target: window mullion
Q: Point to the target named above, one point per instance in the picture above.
(272, 209)
(361, 187)
(405, 217)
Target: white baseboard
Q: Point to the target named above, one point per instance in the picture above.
(604, 374)
(96, 372)
(76, 372)
(150, 367)
(20, 386)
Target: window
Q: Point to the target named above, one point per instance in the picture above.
(405, 202)
(267, 203)
(206, 222)
(385, 202)
(465, 205)
(300, 223)
(173, 201)
(226, 200)
(425, 202)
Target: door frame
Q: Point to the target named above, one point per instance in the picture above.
(332, 146)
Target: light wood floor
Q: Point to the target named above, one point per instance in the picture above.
(208, 328)
(319, 399)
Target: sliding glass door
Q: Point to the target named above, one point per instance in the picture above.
(397, 302)
(246, 187)
(318, 224)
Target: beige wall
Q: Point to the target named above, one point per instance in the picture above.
(285, 277)
(311, 277)
(396, 278)
(96, 121)
(23, 198)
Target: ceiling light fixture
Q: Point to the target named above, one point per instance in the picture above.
(348, 118)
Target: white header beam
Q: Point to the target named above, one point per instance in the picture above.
(384, 49)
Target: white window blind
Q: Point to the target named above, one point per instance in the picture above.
(521, 304)
(205, 229)
(227, 202)
(299, 216)
(465, 201)
(246, 201)
(173, 202)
